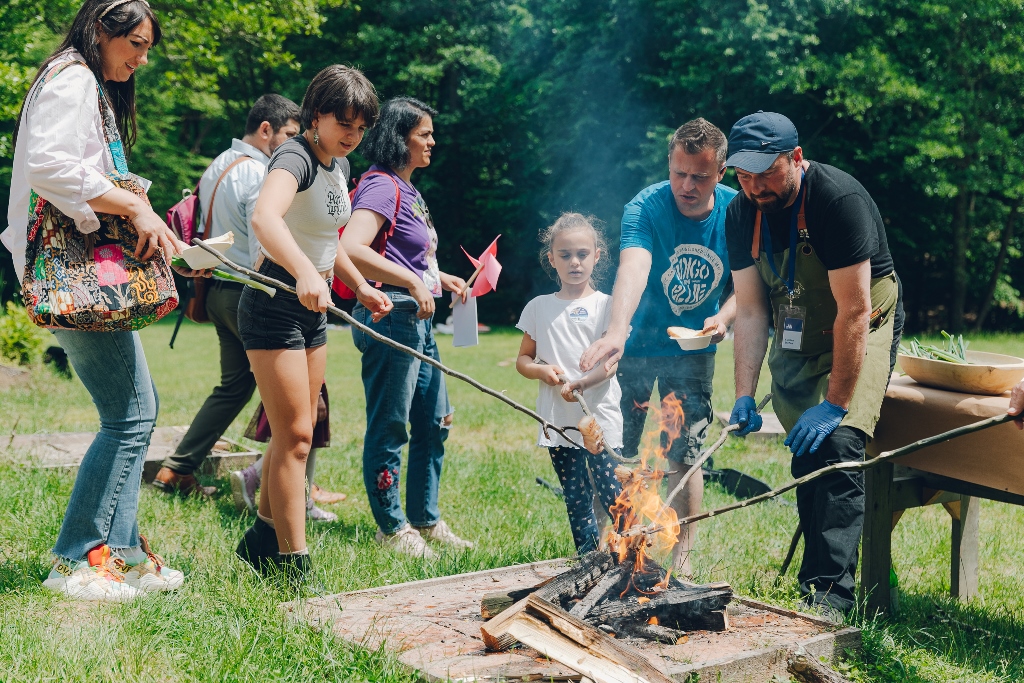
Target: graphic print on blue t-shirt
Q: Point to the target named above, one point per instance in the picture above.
(694, 272)
(689, 267)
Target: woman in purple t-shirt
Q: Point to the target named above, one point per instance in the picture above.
(399, 388)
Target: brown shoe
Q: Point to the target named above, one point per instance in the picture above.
(326, 497)
(169, 481)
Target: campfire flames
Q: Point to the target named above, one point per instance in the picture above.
(640, 503)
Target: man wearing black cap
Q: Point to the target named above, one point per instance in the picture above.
(808, 252)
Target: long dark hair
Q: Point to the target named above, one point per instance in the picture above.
(385, 144)
(83, 37)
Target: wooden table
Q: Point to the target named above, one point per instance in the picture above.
(956, 474)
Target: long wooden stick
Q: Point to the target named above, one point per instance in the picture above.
(696, 467)
(843, 467)
(578, 395)
(393, 344)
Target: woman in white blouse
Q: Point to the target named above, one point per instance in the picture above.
(62, 156)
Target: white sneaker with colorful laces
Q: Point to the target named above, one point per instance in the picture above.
(94, 578)
(150, 575)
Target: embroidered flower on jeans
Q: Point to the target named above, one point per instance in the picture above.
(385, 479)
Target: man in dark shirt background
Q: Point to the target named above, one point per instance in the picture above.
(807, 245)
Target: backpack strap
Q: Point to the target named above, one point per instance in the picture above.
(383, 235)
(213, 195)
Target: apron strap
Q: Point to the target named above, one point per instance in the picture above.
(801, 226)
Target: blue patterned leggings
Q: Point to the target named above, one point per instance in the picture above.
(571, 465)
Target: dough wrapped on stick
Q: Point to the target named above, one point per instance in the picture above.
(593, 437)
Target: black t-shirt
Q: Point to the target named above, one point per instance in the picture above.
(843, 224)
(297, 157)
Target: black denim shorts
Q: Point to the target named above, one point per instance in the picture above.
(281, 321)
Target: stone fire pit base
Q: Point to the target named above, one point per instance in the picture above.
(434, 628)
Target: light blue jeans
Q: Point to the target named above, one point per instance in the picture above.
(401, 390)
(105, 499)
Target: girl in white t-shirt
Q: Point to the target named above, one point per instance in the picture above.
(558, 329)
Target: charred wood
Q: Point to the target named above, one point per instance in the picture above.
(655, 632)
(577, 581)
(674, 607)
(611, 581)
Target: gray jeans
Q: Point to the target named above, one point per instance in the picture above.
(689, 378)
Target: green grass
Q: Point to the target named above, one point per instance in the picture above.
(224, 624)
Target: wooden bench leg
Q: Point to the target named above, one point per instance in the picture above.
(877, 540)
(963, 566)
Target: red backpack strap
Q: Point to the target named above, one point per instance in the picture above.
(381, 240)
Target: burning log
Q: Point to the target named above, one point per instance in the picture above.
(676, 607)
(578, 580)
(608, 582)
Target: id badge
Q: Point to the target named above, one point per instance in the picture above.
(793, 318)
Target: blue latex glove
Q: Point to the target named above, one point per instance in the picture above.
(813, 427)
(744, 413)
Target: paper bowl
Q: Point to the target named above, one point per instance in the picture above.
(988, 373)
(690, 340)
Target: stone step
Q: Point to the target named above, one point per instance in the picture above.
(66, 450)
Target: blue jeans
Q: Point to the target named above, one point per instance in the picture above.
(105, 499)
(402, 390)
(571, 465)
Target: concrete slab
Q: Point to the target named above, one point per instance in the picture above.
(433, 626)
(66, 449)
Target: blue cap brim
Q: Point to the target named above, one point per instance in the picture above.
(752, 162)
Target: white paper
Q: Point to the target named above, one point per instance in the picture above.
(464, 321)
(200, 259)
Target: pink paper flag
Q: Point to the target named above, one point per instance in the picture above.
(487, 280)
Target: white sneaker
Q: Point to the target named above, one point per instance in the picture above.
(150, 575)
(443, 534)
(406, 541)
(94, 578)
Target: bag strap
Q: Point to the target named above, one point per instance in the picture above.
(213, 196)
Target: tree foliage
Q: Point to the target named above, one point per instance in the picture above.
(554, 105)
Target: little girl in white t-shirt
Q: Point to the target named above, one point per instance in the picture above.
(558, 329)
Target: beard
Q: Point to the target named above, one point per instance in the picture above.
(771, 202)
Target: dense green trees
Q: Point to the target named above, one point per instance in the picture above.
(550, 105)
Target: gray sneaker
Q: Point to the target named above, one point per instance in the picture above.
(316, 514)
(406, 541)
(244, 484)
(442, 533)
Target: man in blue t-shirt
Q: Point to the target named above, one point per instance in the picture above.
(673, 271)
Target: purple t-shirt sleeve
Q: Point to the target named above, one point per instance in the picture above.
(376, 193)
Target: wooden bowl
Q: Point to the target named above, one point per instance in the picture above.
(987, 373)
(690, 340)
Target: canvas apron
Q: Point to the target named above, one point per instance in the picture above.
(800, 378)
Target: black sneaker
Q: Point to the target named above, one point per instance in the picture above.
(258, 546)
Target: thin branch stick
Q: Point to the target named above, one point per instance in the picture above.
(469, 284)
(696, 467)
(393, 344)
(845, 467)
(578, 395)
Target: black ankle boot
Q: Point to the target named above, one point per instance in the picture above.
(258, 546)
(298, 571)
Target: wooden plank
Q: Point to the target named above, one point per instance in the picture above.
(963, 566)
(565, 639)
(493, 604)
(877, 539)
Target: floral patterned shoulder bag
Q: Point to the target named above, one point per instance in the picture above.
(93, 283)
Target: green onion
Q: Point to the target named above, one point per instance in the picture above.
(179, 262)
(955, 350)
(231, 277)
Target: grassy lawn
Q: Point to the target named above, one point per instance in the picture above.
(224, 624)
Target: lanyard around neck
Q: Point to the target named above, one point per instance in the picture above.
(793, 230)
